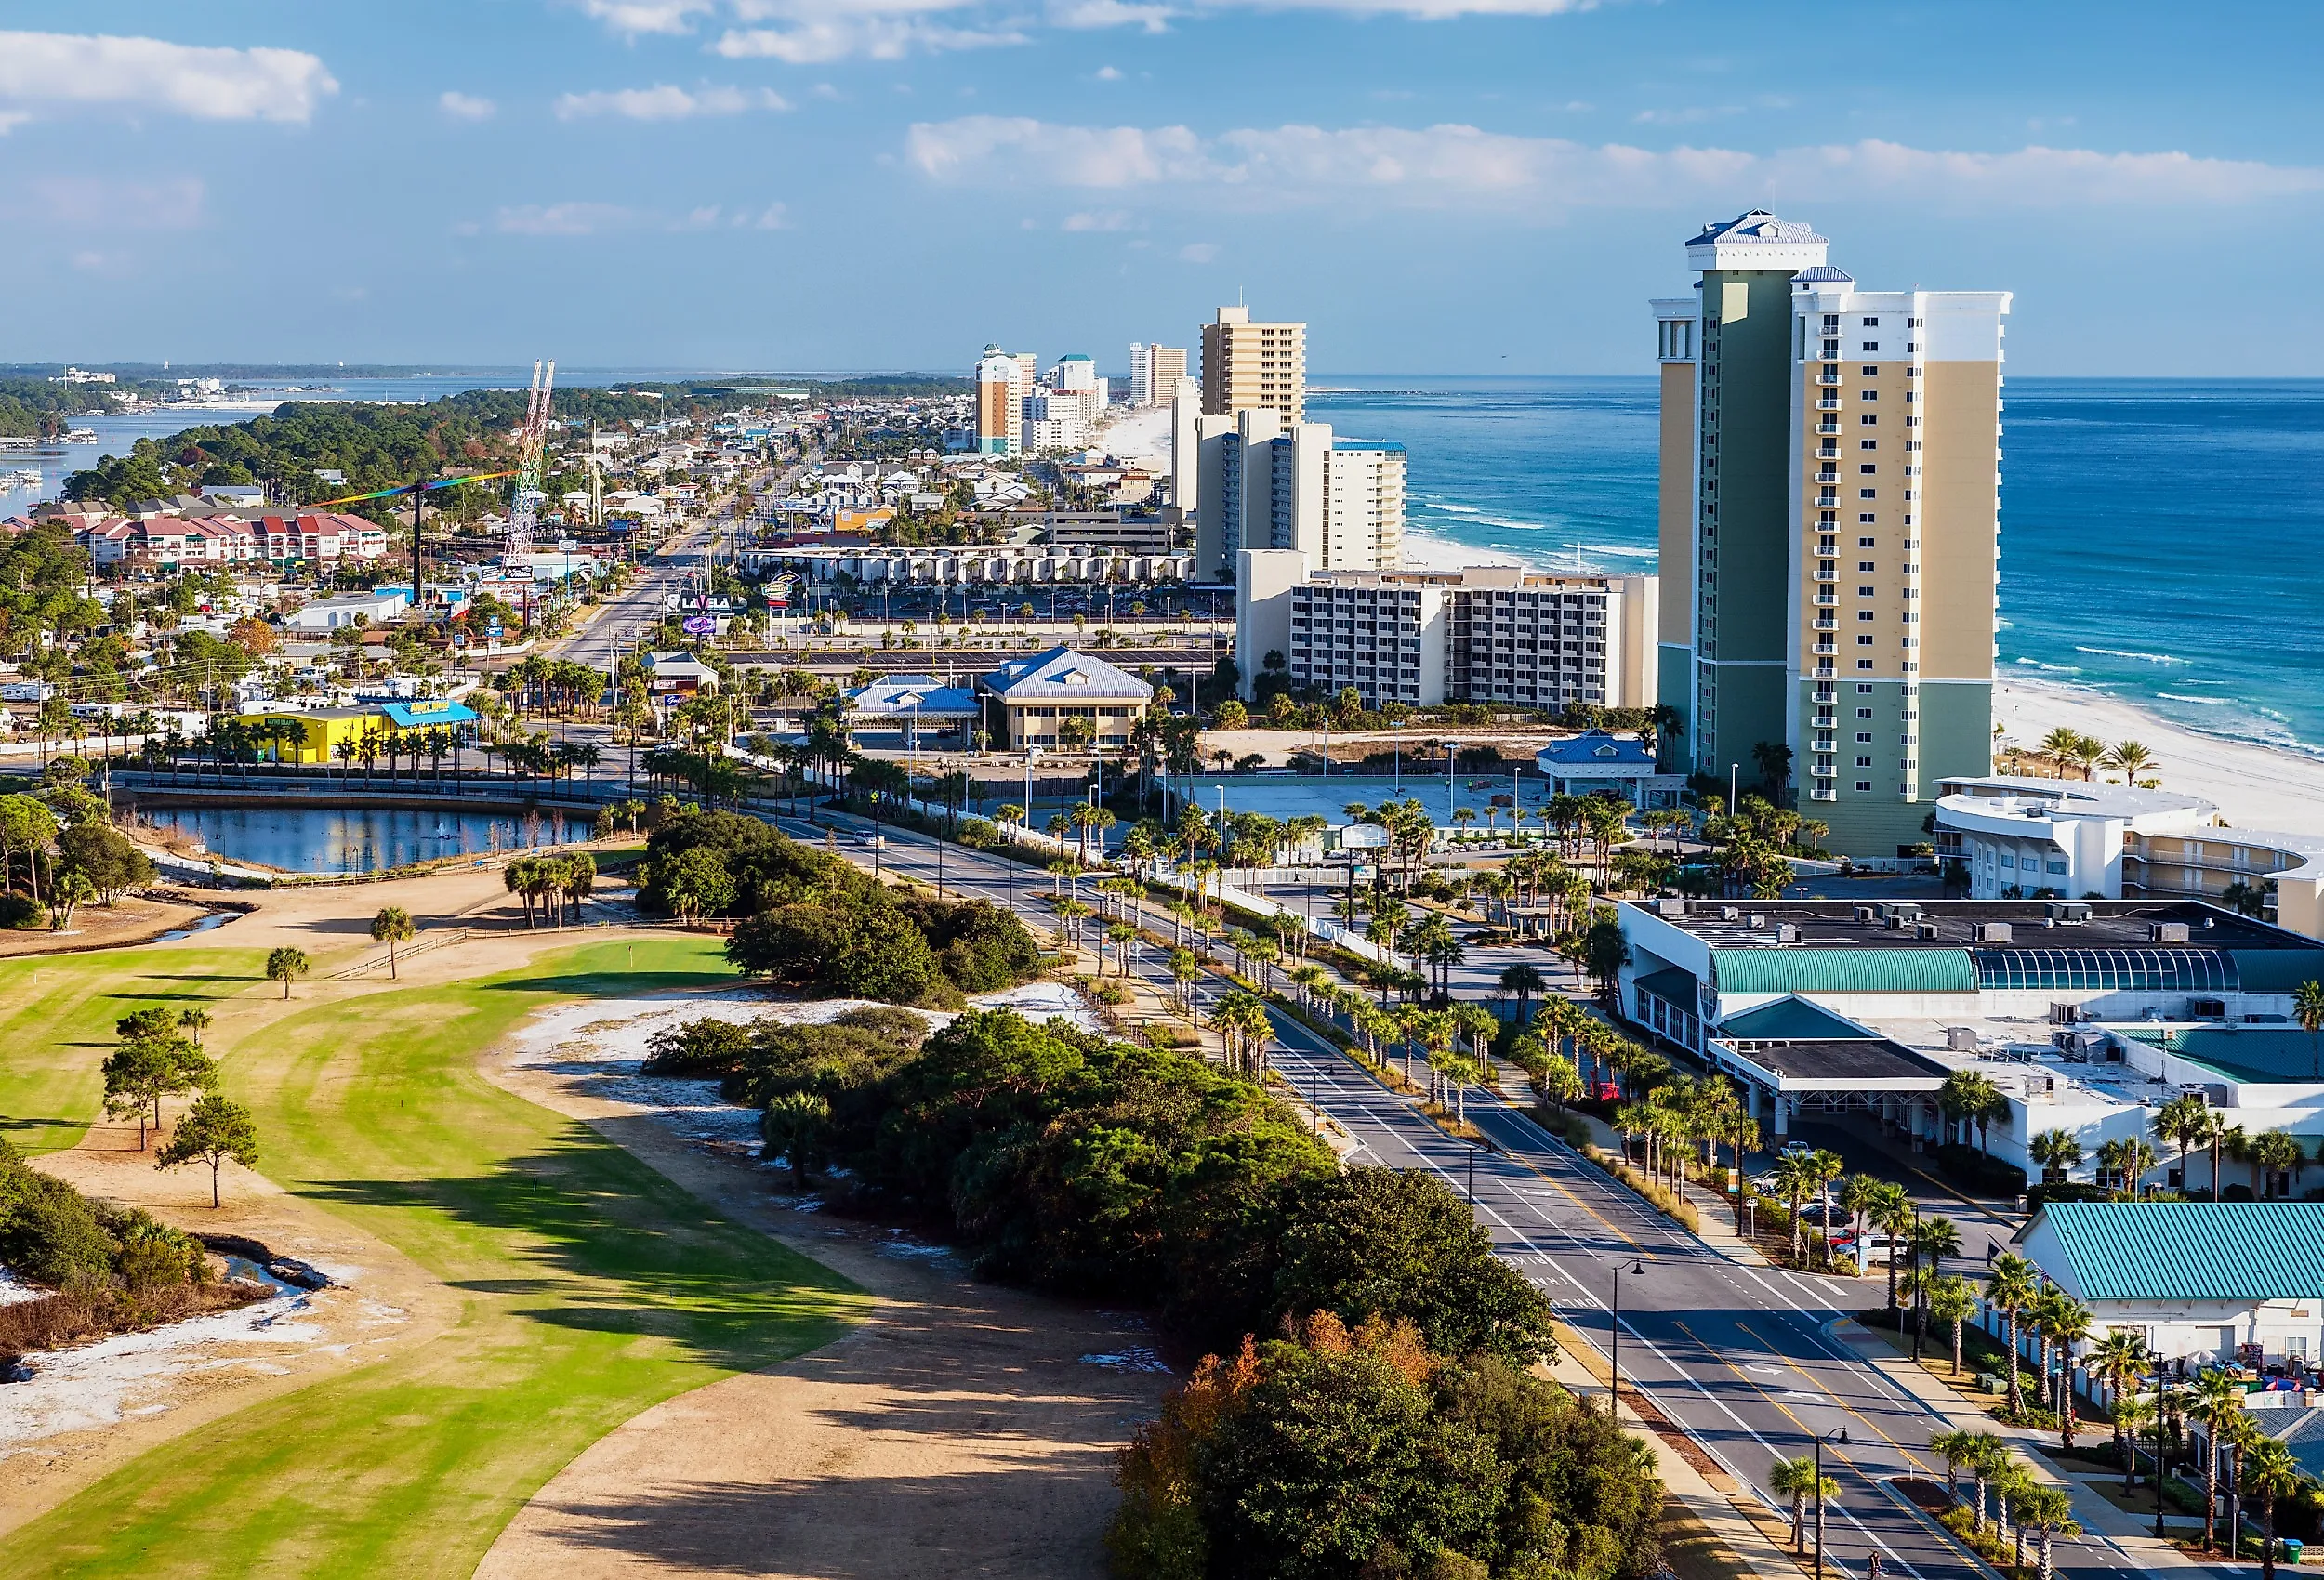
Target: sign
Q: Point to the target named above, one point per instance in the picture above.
(699, 626)
(1363, 836)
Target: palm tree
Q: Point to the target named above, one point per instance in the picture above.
(2276, 1152)
(1953, 1302)
(792, 1125)
(2129, 758)
(2068, 1325)
(2055, 1151)
(1989, 1463)
(2010, 1289)
(1956, 1447)
(391, 926)
(2270, 1470)
(1796, 1479)
(2307, 1008)
(1522, 980)
(1893, 1213)
(2133, 1412)
(284, 964)
(2215, 1400)
(2184, 1121)
(1935, 1240)
(2118, 1360)
(2048, 1511)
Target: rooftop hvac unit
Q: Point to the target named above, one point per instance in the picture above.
(1756, 922)
(1671, 907)
(1895, 923)
(1991, 932)
(1787, 934)
(2069, 911)
(1864, 913)
(2207, 1010)
(1904, 909)
(1961, 1039)
(1730, 913)
(1924, 930)
(2065, 1014)
(2166, 932)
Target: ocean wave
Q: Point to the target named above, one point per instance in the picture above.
(2200, 702)
(2052, 668)
(1452, 509)
(1617, 549)
(2142, 657)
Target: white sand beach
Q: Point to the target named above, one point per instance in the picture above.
(2254, 787)
(1423, 551)
(1141, 436)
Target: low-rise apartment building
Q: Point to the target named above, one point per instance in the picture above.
(1486, 634)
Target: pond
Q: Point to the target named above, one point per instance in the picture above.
(358, 840)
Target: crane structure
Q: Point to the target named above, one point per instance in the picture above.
(524, 508)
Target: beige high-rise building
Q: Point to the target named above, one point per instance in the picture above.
(1249, 366)
(1155, 371)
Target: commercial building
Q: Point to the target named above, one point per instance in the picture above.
(1026, 565)
(337, 736)
(2230, 1283)
(2086, 1016)
(1030, 702)
(1247, 365)
(1487, 634)
(1262, 483)
(1001, 385)
(914, 706)
(1830, 526)
(374, 608)
(1598, 762)
(2023, 838)
(1155, 371)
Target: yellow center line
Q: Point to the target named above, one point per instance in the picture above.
(1810, 1380)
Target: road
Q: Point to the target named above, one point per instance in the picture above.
(1744, 1360)
(612, 631)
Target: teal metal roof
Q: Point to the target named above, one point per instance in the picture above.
(1792, 1019)
(2189, 1250)
(1842, 968)
(1672, 984)
(2241, 1053)
(2277, 970)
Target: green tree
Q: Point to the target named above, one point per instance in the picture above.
(2307, 1008)
(1796, 1479)
(146, 1068)
(285, 965)
(1953, 1302)
(391, 926)
(2270, 1470)
(2011, 1289)
(793, 1126)
(213, 1130)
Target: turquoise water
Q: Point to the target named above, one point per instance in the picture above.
(2162, 541)
(358, 839)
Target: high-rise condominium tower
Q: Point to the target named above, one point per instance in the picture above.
(1831, 525)
(1155, 371)
(1000, 392)
(1246, 366)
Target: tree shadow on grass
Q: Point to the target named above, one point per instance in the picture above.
(599, 1242)
(32, 1129)
(604, 984)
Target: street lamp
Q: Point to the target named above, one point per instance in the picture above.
(1613, 1343)
(2161, 1395)
(1839, 1436)
(1451, 748)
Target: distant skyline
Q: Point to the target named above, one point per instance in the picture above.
(1434, 186)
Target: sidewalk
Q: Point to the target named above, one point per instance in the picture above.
(2099, 1518)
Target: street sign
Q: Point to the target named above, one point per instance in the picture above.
(699, 626)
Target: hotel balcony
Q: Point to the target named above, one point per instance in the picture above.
(1827, 575)
(1827, 428)
(1825, 622)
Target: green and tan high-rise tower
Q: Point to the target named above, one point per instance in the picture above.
(1830, 526)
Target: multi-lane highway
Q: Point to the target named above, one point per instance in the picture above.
(1743, 1359)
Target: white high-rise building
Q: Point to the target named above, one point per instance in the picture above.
(1261, 483)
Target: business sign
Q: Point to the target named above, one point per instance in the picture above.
(1363, 836)
(699, 626)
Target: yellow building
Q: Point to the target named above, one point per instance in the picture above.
(1249, 366)
(313, 737)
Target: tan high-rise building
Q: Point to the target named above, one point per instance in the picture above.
(1249, 366)
(1155, 371)
(1830, 531)
(1000, 390)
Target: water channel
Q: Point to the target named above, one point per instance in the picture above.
(359, 839)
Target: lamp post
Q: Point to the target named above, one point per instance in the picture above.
(1839, 1436)
(1614, 1342)
(1452, 749)
(2162, 1386)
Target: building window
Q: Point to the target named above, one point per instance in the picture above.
(1866, 592)
(1866, 543)
(1865, 641)
(1868, 520)
(1870, 419)
(1868, 493)
(1871, 323)
(1870, 345)
(1868, 469)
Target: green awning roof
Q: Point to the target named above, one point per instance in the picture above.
(1842, 968)
(2277, 970)
(2239, 1251)
(1791, 1019)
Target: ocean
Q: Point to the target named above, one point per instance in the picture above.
(2162, 541)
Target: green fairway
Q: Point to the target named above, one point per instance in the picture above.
(592, 1288)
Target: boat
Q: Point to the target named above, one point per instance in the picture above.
(81, 436)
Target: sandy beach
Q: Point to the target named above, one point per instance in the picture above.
(1141, 436)
(2257, 787)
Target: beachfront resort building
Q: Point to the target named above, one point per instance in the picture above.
(2022, 837)
(1001, 387)
(1246, 366)
(1486, 634)
(1155, 371)
(1829, 499)
(2086, 1016)
(1259, 483)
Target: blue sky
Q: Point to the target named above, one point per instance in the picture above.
(1448, 186)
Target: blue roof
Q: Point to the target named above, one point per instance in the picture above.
(1597, 748)
(1824, 273)
(1063, 674)
(1387, 444)
(2239, 1251)
(426, 714)
(910, 693)
(2256, 1054)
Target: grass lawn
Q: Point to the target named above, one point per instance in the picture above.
(593, 1288)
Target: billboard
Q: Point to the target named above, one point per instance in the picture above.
(1363, 836)
(699, 626)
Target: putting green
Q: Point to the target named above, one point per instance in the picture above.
(592, 1288)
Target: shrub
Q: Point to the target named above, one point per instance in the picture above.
(22, 911)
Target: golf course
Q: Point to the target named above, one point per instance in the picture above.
(583, 1287)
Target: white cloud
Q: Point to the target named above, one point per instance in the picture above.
(1198, 252)
(630, 17)
(1108, 14)
(1102, 219)
(873, 38)
(47, 69)
(93, 203)
(1445, 166)
(664, 102)
(565, 219)
(1109, 74)
(465, 106)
